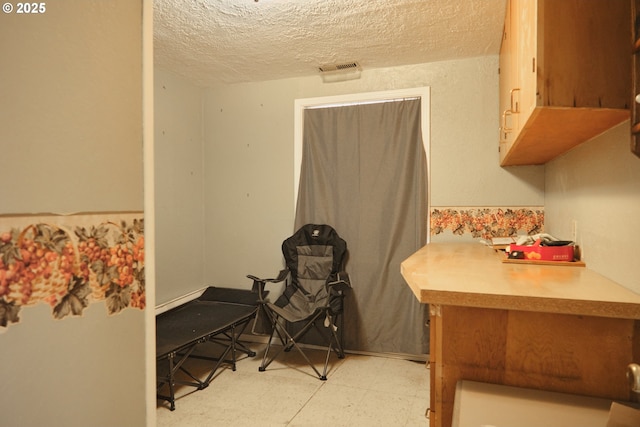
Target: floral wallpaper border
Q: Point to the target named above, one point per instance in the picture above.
(69, 262)
(487, 222)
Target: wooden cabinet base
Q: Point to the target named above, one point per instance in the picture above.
(582, 355)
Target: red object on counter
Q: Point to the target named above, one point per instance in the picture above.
(545, 253)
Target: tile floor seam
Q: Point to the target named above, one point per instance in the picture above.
(306, 403)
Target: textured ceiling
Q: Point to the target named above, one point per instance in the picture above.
(230, 41)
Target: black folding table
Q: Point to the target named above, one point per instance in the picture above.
(220, 316)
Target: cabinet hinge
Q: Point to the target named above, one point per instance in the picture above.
(428, 413)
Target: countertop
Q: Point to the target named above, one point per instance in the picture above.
(473, 275)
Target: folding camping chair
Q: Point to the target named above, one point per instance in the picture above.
(313, 297)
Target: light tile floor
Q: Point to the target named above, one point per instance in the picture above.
(360, 391)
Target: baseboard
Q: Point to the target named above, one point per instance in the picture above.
(262, 339)
(166, 306)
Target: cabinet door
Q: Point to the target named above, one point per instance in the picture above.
(508, 85)
(525, 25)
(518, 70)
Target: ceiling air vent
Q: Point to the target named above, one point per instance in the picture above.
(340, 72)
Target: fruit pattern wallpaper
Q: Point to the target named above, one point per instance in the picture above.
(487, 222)
(69, 262)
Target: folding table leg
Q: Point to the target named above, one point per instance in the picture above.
(171, 379)
(172, 395)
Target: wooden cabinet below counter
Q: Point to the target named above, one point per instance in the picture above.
(580, 355)
(565, 68)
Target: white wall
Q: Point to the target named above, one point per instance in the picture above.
(71, 140)
(597, 184)
(248, 155)
(248, 179)
(62, 85)
(179, 203)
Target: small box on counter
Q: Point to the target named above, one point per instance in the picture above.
(536, 252)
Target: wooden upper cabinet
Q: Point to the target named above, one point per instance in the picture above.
(565, 69)
(635, 61)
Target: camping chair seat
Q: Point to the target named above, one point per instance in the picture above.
(313, 295)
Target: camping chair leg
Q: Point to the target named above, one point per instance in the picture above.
(310, 324)
(274, 330)
(287, 344)
(291, 342)
(341, 332)
(333, 338)
(339, 343)
(323, 377)
(326, 361)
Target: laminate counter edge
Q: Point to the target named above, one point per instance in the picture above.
(472, 275)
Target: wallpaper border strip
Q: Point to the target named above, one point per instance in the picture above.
(71, 261)
(486, 222)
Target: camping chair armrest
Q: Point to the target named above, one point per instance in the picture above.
(340, 282)
(259, 284)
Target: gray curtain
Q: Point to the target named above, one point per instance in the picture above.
(364, 173)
